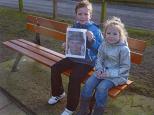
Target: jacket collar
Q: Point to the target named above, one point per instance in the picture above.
(83, 26)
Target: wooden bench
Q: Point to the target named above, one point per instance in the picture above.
(57, 30)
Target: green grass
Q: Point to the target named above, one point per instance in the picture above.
(12, 23)
(142, 34)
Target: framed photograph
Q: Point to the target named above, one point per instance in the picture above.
(75, 43)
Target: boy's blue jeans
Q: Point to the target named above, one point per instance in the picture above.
(101, 86)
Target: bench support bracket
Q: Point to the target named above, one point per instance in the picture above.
(37, 39)
(14, 68)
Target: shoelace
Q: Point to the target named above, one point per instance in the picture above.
(57, 97)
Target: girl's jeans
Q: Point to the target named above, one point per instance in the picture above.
(101, 86)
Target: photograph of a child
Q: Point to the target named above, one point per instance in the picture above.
(75, 43)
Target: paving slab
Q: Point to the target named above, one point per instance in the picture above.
(9, 105)
(4, 101)
(12, 109)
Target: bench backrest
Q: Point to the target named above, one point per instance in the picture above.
(57, 30)
(47, 27)
(137, 48)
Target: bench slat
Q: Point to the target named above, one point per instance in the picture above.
(36, 50)
(114, 92)
(136, 58)
(122, 87)
(136, 45)
(46, 31)
(30, 54)
(60, 26)
(43, 48)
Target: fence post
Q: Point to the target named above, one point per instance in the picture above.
(54, 9)
(103, 10)
(20, 3)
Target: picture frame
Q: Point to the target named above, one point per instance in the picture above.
(75, 43)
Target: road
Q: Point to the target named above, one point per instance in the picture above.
(132, 16)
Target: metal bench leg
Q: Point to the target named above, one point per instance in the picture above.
(14, 68)
(37, 39)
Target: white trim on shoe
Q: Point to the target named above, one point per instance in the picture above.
(55, 99)
(67, 112)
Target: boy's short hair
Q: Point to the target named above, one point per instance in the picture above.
(84, 3)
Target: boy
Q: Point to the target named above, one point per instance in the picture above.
(83, 11)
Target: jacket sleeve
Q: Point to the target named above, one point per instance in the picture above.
(100, 59)
(124, 64)
(98, 38)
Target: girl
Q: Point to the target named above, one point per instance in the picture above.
(111, 69)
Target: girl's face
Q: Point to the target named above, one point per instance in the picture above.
(112, 34)
(83, 15)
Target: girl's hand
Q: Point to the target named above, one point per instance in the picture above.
(100, 74)
(104, 74)
(89, 36)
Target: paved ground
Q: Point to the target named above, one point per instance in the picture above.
(132, 16)
(10, 106)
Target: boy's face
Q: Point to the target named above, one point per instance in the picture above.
(112, 34)
(83, 15)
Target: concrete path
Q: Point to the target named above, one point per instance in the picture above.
(7, 107)
(138, 17)
(10, 106)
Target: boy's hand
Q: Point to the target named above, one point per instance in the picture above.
(63, 45)
(89, 36)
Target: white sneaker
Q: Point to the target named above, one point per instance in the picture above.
(67, 112)
(55, 99)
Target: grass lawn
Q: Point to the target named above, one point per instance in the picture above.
(31, 84)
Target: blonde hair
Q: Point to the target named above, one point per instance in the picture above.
(84, 3)
(115, 21)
